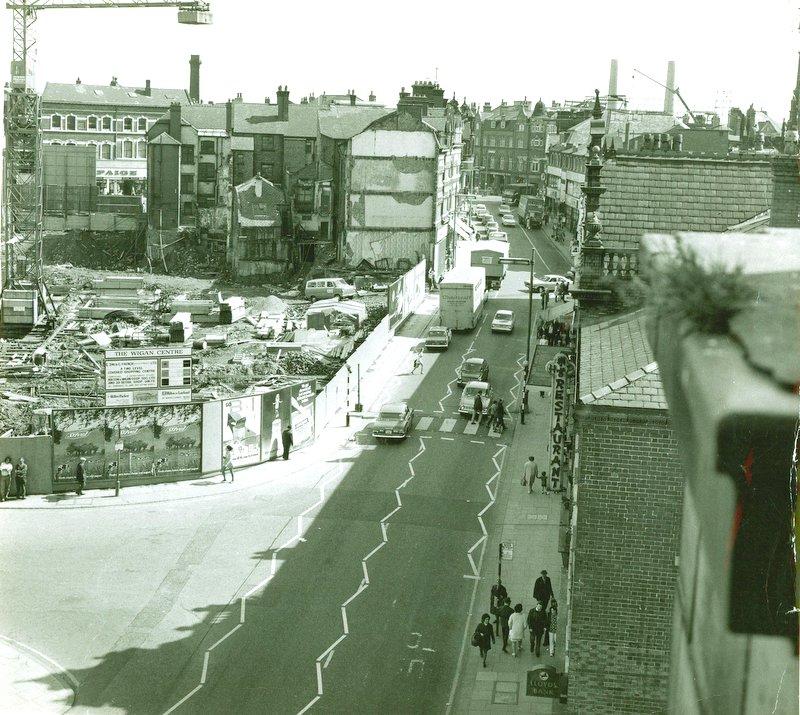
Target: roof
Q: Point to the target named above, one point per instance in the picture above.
(164, 138)
(394, 407)
(638, 122)
(263, 119)
(474, 361)
(344, 122)
(507, 111)
(258, 202)
(109, 95)
(205, 116)
(617, 367)
(680, 193)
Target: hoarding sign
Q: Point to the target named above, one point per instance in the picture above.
(145, 376)
(241, 429)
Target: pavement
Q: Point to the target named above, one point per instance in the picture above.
(347, 579)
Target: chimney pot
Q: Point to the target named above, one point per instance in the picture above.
(78, 81)
(113, 81)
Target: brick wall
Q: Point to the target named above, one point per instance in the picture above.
(630, 490)
(785, 209)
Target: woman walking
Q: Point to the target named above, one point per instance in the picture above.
(552, 625)
(516, 629)
(484, 636)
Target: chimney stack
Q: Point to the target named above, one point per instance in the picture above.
(352, 95)
(669, 92)
(194, 79)
(229, 116)
(612, 85)
(175, 121)
(371, 96)
(283, 103)
(147, 90)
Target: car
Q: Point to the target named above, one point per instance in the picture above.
(329, 288)
(504, 209)
(498, 236)
(478, 207)
(472, 389)
(438, 338)
(481, 232)
(503, 321)
(394, 421)
(473, 369)
(508, 220)
(492, 225)
(547, 282)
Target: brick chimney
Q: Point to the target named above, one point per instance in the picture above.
(371, 96)
(194, 78)
(175, 121)
(283, 103)
(229, 116)
(612, 86)
(352, 96)
(669, 93)
(147, 90)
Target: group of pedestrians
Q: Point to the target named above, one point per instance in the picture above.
(496, 412)
(555, 332)
(16, 473)
(510, 624)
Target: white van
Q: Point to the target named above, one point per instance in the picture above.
(329, 288)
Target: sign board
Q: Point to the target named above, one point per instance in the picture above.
(543, 683)
(507, 550)
(148, 376)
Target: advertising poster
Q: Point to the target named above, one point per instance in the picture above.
(241, 428)
(302, 399)
(275, 415)
(156, 441)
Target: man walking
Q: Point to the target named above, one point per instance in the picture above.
(529, 473)
(80, 475)
(496, 600)
(288, 441)
(477, 409)
(21, 478)
(227, 463)
(6, 468)
(417, 364)
(543, 589)
(536, 624)
(504, 614)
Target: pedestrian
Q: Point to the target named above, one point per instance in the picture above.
(288, 441)
(417, 364)
(545, 297)
(529, 472)
(477, 409)
(484, 637)
(227, 463)
(536, 623)
(504, 614)
(543, 481)
(6, 468)
(543, 589)
(552, 625)
(80, 475)
(491, 413)
(496, 600)
(516, 630)
(499, 416)
(21, 478)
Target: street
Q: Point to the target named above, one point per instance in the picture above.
(346, 589)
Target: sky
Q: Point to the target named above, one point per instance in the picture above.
(522, 48)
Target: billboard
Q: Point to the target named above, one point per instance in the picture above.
(163, 440)
(144, 376)
(405, 294)
(294, 406)
(241, 429)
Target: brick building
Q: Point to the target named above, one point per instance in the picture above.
(629, 487)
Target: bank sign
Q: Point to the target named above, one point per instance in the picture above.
(148, 376)
(543, 683)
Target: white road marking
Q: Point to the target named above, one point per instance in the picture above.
(328, 660)
(447, 425)
(229, 633)
(424, 423)
(183, 700)
(477, 441)
(205, 669)
(471, 427)
(544, 263)
(449, 439)
(56, 666)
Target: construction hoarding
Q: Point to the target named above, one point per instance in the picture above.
(405, 294)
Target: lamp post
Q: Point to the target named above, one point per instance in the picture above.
(526, 262)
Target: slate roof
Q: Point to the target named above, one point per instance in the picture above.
(507, 111)
(204, 116)
(112, 96)
(258, 203)
(667, 194)
(344, 122)
(638, 122)
(617, 367)
(263, 119)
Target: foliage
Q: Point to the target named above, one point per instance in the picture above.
(707, 296)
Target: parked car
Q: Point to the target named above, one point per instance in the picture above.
(481, 232)
(504, 209)
(474, 388)
(547, 282)
(508, 220)
(492, 225)
(503, 321)
(438, 338)
(329, 288)
(473, 369)
(479, 207)
(498, 236)
(394, 421)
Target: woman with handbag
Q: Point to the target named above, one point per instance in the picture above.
(483, 636)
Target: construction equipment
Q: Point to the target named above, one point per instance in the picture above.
(22, 160)
(674, 90)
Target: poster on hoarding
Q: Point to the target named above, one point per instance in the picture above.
(275, 415)
(164, 440)
(241, 429)
(302, 400)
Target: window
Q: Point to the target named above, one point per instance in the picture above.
(537, 142)
(304, 198)
(187, 184)
(141, 124)
(207, 146)
(105, 151)
(141, 150)
(520, 143)
(55, 122)
(266, 171)
(551, 128)
(520, 127)
(72, 122)
(537, 127)
(187, 209)
(106, 124)
(187, 154)
(504, 124)
(521, 164)
(127, 149)
(268, 142)
(55, 142)
(206, 172)
(127, 124)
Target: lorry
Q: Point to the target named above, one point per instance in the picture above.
(531, 211)
(462, 293)
(486, 255)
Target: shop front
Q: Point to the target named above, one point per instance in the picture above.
(122, 177)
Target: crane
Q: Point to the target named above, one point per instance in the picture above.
(22, 158)
(674, 90)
